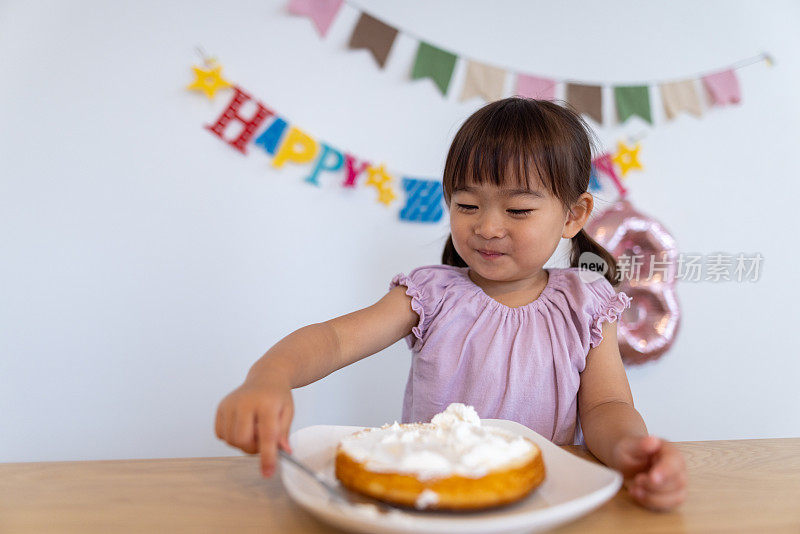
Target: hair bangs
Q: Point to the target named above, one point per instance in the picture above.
(504, 148)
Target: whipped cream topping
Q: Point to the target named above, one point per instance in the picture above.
(426, 498)
(453, 443)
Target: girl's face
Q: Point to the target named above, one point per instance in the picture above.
(506, 234)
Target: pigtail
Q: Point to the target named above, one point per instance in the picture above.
(450, 256)
(581, 243)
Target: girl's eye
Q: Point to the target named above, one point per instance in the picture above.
(516, 213)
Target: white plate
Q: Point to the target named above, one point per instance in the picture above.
(572, 487)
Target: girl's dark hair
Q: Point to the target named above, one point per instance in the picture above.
(534, 141)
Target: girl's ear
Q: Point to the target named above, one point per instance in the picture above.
(577, 215)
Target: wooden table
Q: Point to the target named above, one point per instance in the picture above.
(734, 486)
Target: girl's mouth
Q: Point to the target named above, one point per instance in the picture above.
(490, 255)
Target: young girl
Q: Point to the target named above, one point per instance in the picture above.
(490, 327)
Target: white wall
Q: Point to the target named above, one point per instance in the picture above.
(146, 264)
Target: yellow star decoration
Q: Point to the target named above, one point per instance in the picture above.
(627, 158)
(209, 81)
(386, 196)
(378, 177)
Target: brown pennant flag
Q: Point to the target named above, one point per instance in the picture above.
(375, 36)
(587, 99)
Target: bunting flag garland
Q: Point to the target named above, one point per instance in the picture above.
(680, 96)
(487, 81)
(723, 87)
(483, 80)
(586, 99)
(535, 87)
(435, 64)
(321, 12)
(287, 143)
(375, 36)
(632, 100)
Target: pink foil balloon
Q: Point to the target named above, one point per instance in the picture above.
(648, 328)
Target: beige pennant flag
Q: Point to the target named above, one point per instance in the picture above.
(680, 96)
(483, 80)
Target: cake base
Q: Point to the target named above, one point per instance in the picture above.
(455, 493)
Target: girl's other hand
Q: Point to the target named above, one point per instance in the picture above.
(654, 471)
(256, 417)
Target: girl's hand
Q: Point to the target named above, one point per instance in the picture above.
(256, 417)
(654, 471)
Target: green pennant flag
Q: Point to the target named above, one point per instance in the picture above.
(435, 64)
(632, 100)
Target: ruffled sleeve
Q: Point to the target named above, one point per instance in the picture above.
(607, 305)
(425, 286)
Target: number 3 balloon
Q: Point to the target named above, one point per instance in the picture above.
(647, 329)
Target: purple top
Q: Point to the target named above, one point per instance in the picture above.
(521, 363)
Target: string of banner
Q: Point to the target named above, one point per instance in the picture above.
(487, 81)
(287, 143)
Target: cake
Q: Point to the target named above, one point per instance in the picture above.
(452, 463)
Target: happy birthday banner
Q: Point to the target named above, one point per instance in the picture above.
(287, 143)
(487, 81)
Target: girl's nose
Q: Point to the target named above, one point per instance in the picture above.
(490, 224)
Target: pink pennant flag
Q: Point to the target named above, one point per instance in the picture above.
(535, 87)
(723, 87)
(322, 12)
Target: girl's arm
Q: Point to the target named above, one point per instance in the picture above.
(315, 351)
(654, 470)
(256, 416)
